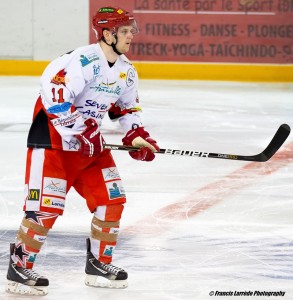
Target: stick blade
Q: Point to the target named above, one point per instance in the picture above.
(275, 144)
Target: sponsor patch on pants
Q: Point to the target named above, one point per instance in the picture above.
(110, 174)
(53, 202)
(54, 186)
(33, 194)
(115, 189)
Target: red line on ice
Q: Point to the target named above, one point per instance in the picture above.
(202, 199)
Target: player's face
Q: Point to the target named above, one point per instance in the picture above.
(125, 37)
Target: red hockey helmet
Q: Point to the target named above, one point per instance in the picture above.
(111, 18)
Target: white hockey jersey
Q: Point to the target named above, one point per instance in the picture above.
(81, 85)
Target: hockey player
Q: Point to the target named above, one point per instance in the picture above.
(65, 149)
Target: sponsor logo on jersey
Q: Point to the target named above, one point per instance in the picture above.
(59, 78)
(130, 77)
(97, 70)
(98, 109)
(115, 189)
(93, 114)
(109, 88)
(59, 108)
(86, 60)
(34, 194)
(110, 174)
(123, 75)
(102, 107)
(67, 121)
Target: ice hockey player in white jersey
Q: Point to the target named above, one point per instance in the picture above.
(65, 150)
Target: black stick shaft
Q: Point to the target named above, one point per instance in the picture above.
(276, 142)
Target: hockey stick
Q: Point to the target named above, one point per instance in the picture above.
(277, 141)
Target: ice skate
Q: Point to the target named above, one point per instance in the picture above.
(25, 281)
(103, 275)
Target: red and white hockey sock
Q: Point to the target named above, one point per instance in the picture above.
(104, 231)
(31, 236)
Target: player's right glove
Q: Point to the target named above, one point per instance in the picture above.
(90, 139)
(140, 138)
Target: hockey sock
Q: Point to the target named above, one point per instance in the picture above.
(104, 231)
(31, 236)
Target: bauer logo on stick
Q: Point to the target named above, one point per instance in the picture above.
(186, 153)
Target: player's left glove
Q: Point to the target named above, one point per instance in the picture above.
(90, 139)
(140, 138)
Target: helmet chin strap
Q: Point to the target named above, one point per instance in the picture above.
(113, 45)
(115, 49)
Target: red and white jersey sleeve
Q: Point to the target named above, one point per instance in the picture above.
(81, 85)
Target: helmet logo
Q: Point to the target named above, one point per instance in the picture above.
(106, 10)
(111, 18)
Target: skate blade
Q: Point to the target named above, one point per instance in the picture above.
(99, 281)
(22, 289)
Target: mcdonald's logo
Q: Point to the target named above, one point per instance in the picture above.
(34, 194)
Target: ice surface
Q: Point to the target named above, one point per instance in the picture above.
(191, 225)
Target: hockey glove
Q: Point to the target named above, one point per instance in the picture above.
(140, 138)
(90, 139)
